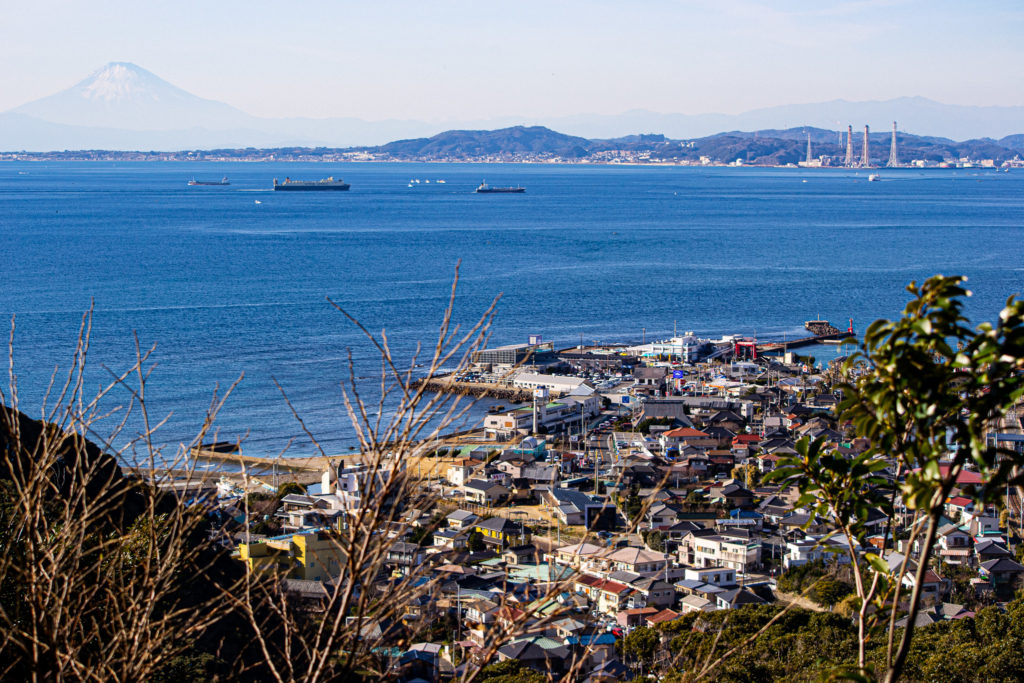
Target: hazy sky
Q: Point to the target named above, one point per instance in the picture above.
(438, 59)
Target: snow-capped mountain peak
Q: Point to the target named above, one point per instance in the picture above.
(123, 81)
(123, 95)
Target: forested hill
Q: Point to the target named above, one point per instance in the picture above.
(772, 147)
(479, 143)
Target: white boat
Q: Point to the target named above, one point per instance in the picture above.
(258, 202)
(874, 178)
(440, 181)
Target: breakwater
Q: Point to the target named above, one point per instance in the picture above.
(446, 384)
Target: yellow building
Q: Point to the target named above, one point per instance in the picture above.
(313, 556)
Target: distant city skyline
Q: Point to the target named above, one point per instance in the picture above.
(464, 60)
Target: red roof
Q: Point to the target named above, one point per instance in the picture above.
(965, 476)
(613, 587)
(960, 501)
(663, 615)
(685, 432)
(602, 584)
(640, 610)
(746, 438)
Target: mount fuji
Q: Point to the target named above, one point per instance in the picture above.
(123, 95)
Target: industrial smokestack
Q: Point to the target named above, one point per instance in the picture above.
(894, 160)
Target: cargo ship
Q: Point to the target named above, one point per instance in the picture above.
(311, 185)
(222, 181)
(487, 189)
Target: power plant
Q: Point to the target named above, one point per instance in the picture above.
(865, 151)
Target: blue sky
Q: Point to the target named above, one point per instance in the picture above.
(439, 59)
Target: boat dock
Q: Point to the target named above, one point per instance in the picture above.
(771, 347)
(823, 333)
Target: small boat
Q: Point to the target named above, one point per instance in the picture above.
(410, 184)
(427, 180)
(441, 181)
(222, 181)
(258, 202)
(874, 178)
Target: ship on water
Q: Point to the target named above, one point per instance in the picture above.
(222, 181)
(329, 183)
(487, 189)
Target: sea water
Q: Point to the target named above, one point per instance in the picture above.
(234, 280)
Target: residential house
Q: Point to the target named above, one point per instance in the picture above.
(660, 515)
(485, 492)
(812, 548)
(575, 507)
(714, 551)
(638, 561)
(661, 617)
(954, 544)
(403, 557)
(539, 653)
(686, 436)
(313, 556)
(652, 592)
(459, 520)
(609, 597)
(718, 576)
(501, 532)
(461, 471)
(451, 539)
(733, 495)
(737, 597)
(697, 603)
(1001, 572)
(578, 555)
(990, 549)
(631, 618)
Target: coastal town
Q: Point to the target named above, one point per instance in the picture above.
(614, 491)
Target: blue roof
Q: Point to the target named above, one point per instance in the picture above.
(593, 639)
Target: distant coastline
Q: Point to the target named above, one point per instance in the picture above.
(794, 147)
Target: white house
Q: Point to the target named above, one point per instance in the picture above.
(715, 551)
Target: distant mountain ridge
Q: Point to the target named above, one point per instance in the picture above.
(125, 107)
